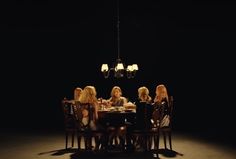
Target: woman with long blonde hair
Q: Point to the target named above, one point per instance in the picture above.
(88, 106)
(161, 94)
(88, 96)
(119, 131)
(161, 103)
(116, 97)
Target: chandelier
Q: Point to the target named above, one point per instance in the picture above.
(118, 67)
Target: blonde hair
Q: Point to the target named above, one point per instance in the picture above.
(114, 99)
(114, 89)
(88, 95)
(77, 93)
(161, 93)
(143, 94)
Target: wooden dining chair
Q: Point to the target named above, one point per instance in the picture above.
(167, 130)
(69, 124)
(84, 130)
(144, 130)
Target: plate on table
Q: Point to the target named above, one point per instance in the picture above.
(103, 110)
(129, 110)
(115, 111)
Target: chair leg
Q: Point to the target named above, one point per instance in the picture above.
(110, 139)
(66, 135)
(86, 145)
(104, 142)
(150, 142)
(164, 135)
(122, 142)
(155, 142)
(116, 141)
(79, 141)
(128, 140)
(97, 142)
(72, 139)
(139, 141)
(87, 142)
(170, 140)
(156, 145)
(145, 138)
(158, 140)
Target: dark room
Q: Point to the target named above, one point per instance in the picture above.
(49, 48)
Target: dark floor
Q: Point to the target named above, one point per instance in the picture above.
(46, 145)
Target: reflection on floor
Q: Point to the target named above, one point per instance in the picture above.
(51, 145)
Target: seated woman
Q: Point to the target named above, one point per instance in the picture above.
(88, 112)
(117, 128)
(144, 111)
(161, 103)
(77, 93)
(116, 97)
(88, 104)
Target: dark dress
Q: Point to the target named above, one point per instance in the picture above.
(161, 111)
(163, 107)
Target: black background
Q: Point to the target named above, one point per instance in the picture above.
(50, 47)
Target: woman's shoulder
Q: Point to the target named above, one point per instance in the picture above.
(123, 99)
(164, 102)
(139, 101)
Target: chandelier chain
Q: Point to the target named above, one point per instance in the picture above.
(118, 30)
(119, 67)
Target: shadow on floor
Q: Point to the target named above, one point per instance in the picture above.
(59, 152)
(75, 154)
(114, 155)
(169, 153)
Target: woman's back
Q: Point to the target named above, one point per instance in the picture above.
(144, 112)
